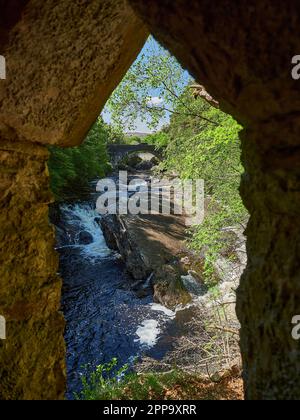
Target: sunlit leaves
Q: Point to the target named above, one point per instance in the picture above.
(155, 74)
(71, 169)
(196, 149)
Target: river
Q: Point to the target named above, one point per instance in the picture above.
(105, 318)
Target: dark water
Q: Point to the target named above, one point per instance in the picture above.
(104, 316)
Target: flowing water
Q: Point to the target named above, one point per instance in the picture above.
(104, 316)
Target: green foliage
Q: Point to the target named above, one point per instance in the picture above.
(106, 384)
(72, 169)
(208, 148)
(115, 134)
(159, 140)
(150, 89)
(103, 383)
(133, 140)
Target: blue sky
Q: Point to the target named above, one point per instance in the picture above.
(141, 126)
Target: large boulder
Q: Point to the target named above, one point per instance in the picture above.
(85, 238)
(119, 238)
(169, 289)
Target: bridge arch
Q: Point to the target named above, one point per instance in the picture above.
(118, 152)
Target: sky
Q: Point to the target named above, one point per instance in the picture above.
(141, 127)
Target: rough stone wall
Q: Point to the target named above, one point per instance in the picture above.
(241, 52)
(32, 356)
(63, 58)
(269, 294)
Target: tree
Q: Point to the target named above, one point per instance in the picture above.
(150, 90)
(196, 149)
(72, 169)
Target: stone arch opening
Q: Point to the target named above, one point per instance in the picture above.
(243, 65)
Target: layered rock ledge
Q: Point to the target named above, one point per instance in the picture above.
(151, 247)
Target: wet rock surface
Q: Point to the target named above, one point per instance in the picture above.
(85, 238)
(150, 245)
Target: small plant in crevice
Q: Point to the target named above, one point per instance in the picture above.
(104, 381)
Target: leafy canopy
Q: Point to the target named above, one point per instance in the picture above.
(150, 90)
(72, 169)
(196, 149)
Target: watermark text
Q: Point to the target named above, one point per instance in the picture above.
(296, 68)
(2, 67)
(139, 196)
(2, 328)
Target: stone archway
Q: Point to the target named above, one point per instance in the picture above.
(63, 61)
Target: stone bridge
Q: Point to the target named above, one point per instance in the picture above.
(118, 151)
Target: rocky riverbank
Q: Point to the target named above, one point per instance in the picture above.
(109, 310)
(156, 256)
(151, 247)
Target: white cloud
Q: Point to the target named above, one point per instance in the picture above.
(155, 101)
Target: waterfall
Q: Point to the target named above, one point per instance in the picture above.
(82, 218)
